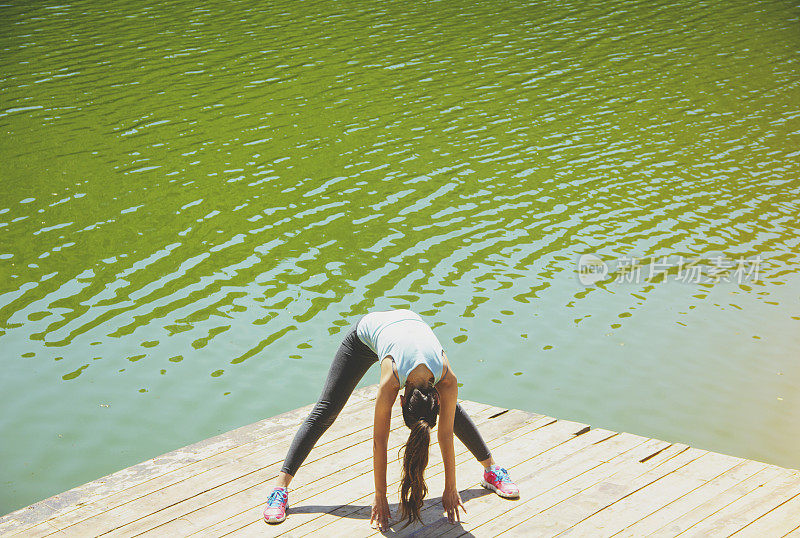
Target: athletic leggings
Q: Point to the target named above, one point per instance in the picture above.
(350, 363)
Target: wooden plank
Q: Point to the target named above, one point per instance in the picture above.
(167, 489)
(779, 521)
(509, 450)
(794, 533)
(702, 511)
(570, 473)
(548, 443)
(576, 502)
(573, 479)
(84, 496)
(81, 502)
(347, 521)
(631, 506)
(703, 494)
(361, 505)
(14, 525)
(66, 502)
(434, 467)
(245, 506)
(556, 476)
(344, 515)
(342, 487)
(135, 483)
(163, 506)
(344, 493)
(749, 507)
(255, 450)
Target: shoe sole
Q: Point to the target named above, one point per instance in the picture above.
(489, 486)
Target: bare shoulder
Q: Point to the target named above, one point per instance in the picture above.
(388, 382)
(387, 395)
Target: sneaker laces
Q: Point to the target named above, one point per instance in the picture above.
(277, 497)
(502, 475)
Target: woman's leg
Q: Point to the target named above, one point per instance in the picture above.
(468, 433)
(495, 477)
(349, 365)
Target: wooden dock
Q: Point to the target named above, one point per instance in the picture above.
(573, 479)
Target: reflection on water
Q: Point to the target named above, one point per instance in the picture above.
(197, 199)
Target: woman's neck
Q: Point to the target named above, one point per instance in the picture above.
(420, 376)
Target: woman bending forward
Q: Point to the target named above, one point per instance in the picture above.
(411, 359)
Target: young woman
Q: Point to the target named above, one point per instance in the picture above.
(411, 359)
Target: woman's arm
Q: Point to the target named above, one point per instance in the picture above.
(448, 397)
(387, 394)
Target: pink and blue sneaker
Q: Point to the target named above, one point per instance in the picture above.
(496, 479)
(277, 503)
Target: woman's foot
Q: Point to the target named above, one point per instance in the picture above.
(496, 479)
(277, 503)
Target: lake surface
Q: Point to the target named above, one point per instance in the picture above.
(198, 199)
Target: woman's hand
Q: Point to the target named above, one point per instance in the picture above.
(451, 500)
(380, 513)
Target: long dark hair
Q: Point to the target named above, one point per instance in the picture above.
(420, 411)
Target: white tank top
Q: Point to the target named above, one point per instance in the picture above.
(404, 336)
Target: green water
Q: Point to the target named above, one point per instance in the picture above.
(196, 199)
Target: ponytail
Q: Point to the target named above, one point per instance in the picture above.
(419, 413)
(412, 484)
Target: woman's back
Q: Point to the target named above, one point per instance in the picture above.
(403, 335)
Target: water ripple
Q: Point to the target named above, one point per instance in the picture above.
(214, 192)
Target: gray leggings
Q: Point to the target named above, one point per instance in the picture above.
(350, 363)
